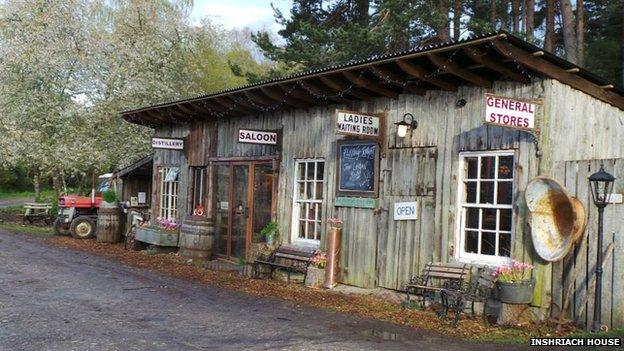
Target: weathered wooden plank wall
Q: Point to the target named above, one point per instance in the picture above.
(177, 158)
(582, 259)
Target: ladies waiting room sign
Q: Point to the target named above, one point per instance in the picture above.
(508, 112)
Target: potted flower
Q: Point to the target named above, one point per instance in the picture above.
(514, 283)
(109, 199)
(167, 224)
(269, 232)
(316, 270)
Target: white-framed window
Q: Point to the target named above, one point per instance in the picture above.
(168, 200)
(198, 189)
(485, 206)
(309, 192)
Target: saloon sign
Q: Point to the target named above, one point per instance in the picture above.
(507, 112)
(355, 123)
(257, 137)
(164, 143)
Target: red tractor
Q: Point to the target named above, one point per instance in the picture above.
(78, 214)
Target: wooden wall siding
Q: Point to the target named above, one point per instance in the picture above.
(227, 138)
(132, 185)
(199, 141)
(177, 158)
(597, 127)
(409, 171)
(573, 174)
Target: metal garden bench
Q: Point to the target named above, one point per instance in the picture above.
(479, 290)
(287, 258)
(435, 278)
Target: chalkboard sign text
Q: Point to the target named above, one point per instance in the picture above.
(358, 168)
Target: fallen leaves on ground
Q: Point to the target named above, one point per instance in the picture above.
(361, 305)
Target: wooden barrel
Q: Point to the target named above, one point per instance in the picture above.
(196, 238)
(108, 226)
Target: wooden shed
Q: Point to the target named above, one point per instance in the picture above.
(492, 112)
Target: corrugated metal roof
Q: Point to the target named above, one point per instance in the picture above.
(382, 57)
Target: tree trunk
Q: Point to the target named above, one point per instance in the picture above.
(442, 25)
(549, 44)
(457, 12)
(56, 185)
(493, 14)
(505, 15)
(530, 19)
(515, 13)
(37, 185)
(580, 32)
(569, 34)
(361, 11)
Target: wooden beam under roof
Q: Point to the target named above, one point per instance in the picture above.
(553, 71)
(361, 81)
(299, 93)
(322, 93)
(453, 68)
(396, 80)
(494, 65)
(282, 96)
(231, 105)
(337, 84)
(216, 109)
(422, 74)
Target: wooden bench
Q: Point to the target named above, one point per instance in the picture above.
(436, 277)
(34, 211)
(479, 290)
(288, 258)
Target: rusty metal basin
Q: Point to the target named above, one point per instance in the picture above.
(552, 218)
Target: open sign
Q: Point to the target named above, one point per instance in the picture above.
(405, 211)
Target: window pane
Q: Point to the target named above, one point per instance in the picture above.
(505, 193)
(486, 195)
(311, 169)
(505, 167)
(489, 219)
(487, 167)
(488, 243)
(472, 218)
(301, 171)
(472, 241)
(504, 245)
(320, 170)
(310, 190)
(302, 225)
(505, 220)
(471, 192)
(471, 166)
(319, 191)
(300, 189)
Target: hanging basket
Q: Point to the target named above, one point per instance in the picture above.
(516, 293)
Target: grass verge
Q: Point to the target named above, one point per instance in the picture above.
(27, 229)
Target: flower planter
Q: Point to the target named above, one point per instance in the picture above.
(315, 277)
(157, 236)
(515, 293)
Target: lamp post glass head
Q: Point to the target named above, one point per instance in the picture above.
(406, 124)
(601, 184)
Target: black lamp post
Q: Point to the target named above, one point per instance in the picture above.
(601, 185)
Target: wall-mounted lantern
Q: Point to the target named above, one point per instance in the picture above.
(408, 123)
(601, 185)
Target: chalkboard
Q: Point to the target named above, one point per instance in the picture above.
(358, 165)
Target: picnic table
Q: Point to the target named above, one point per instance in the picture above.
(37, 211)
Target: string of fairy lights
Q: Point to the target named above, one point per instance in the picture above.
(244, 102)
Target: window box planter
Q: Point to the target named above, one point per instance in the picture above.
(515, 293)
(157, 236)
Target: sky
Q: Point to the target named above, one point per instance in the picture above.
(239, 14)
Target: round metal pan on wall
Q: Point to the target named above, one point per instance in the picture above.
(553, 219)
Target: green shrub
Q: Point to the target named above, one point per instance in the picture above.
(109, 196)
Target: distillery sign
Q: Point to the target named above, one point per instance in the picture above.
(165, 143)
(508, 112)
(355, 123)
(257, 137)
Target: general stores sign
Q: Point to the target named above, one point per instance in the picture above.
(360, 124)
(508, 112)
(165, 143)
(257, 137)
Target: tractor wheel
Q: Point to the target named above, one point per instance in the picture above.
(82, 227)
(59, 228)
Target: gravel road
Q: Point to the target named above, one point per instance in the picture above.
(59, 299)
